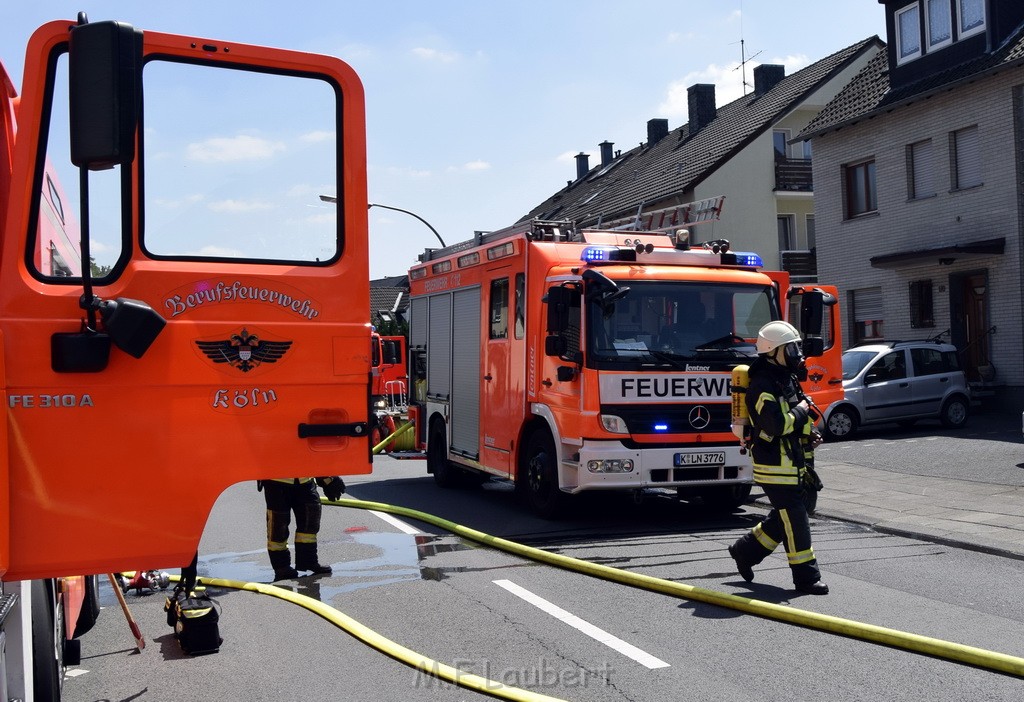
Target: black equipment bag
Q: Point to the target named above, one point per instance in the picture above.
(195, 619)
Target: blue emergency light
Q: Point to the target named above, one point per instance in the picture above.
(661, 427)
(743, 258)
(607, 254)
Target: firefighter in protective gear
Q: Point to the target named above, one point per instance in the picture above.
(783, 446)
(298, 495)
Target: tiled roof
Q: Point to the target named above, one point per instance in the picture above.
(870, 93)
(384, 292)
(679, 162)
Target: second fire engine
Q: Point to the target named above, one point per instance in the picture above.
(571, 360)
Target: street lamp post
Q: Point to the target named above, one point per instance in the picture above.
(329, 198)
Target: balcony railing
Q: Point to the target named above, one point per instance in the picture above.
(802, 266)
(793, 174)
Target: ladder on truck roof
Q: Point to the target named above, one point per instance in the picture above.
(688, 215)
(535, 229)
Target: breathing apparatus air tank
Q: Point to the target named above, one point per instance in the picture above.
(740, 416)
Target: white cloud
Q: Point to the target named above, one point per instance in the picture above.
(180, 202)
(471, 166)
(239, 148)
(235, 206)
(435, 55)
(317, 137)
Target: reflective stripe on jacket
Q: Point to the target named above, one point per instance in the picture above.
(778, 427)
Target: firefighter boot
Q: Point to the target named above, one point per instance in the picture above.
(745, 569)
(815, 588)
(281, 561)
(306, 559)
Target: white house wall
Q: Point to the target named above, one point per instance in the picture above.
(950, 217)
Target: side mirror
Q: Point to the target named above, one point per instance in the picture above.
(105, 75)
(555, 345)
(812, 320)
(132, 324)
(558, 300)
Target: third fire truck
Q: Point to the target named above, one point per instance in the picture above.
(571, 360)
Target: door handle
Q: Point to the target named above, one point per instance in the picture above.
(943, 380)
(904, 385)
(307, 431)
(835, 381)
(488, 377)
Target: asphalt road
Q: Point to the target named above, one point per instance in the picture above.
(478, 609)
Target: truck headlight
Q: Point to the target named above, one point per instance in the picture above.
(610, 465)
(614, 424)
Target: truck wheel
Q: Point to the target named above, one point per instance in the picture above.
(842, 423)
(541, 478)
(445, 474)
(954, 412)
(90, 607)
(47, 645)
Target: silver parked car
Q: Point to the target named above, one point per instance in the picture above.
(899, 381)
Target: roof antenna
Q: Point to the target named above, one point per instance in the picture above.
(743, 56)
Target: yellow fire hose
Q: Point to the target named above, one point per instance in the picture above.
(385, 645)
(982, 658)
(394, 435)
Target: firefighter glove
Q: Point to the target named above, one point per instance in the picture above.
(333, 487)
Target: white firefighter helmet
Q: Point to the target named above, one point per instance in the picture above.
(776, 334)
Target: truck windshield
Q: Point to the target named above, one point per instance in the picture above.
(663, 323)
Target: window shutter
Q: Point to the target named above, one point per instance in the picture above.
(867, 304)
(968, 157)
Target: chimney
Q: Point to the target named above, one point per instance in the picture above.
(606, 152)
(700, 105)
(767, 76)
(582, 164)
(657, 129)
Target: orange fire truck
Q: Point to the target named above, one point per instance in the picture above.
(389, 390)
(205, 327)
(571, 360)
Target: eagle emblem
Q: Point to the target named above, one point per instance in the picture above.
(244, 351)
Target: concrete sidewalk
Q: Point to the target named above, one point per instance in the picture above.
(977, 516)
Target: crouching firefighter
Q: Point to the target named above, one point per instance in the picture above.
(298, 495)
(783, 443)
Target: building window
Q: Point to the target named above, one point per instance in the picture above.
(780, 137)
(787, 232)
(867, 314)
(938, 23)
(499, 308)
(908, 33)
(920, 170)
(811, 239)
(921, 315)
(860, 189)
(964, 148)
(970, 17)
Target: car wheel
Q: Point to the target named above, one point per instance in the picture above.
(954, 412)
(541, 478)
(445, 474)
(47, 644)
(842, 423)
(90, 607)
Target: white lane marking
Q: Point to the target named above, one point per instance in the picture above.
(397, 523)
(626, 649)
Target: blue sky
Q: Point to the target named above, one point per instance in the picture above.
(475, 108)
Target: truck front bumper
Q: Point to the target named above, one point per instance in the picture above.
(704, 465)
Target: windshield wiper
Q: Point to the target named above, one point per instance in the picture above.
(673, 359)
